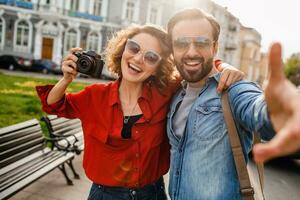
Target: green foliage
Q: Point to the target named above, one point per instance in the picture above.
(292, 69)
(18, 98)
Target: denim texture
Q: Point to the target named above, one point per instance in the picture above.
(202, 165)
(155, 191)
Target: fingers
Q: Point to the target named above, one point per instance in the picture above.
(70, 57)
(222, 82)
(228, 77)
(69, 66)
(73, 50)
(282, 144)
(275, 63)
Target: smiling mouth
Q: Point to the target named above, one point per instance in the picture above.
(134, 68)
(192, 63)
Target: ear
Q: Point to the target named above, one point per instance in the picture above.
(215, 48)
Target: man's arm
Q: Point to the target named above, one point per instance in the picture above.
(249, 108)
(283, 102)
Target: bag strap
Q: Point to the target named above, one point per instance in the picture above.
(259, 166)
(247, 190)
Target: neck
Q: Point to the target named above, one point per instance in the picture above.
(202, 82)
(129, 91)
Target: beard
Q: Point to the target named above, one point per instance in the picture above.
(195, 76)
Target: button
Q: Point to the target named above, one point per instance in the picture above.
(136, 132)
(133, 192)
(137, 155)
(177, 172)
(206, 109)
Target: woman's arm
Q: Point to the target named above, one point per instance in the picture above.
(229, 75)
(69, 74)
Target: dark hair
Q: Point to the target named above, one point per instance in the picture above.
(193, 14)
(165, 73)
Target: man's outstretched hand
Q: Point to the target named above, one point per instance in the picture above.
(283, 100)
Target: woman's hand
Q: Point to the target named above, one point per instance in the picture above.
(69, 67)
(229, 75)
(69, 70)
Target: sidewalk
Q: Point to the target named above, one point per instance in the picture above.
(53, 186)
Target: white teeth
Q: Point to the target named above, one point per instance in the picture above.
(135, 68)
(193, 63)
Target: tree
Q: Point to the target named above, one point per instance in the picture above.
(292, 69)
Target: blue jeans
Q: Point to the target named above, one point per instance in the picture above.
(154, 191)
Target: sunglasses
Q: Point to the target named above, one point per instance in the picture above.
(149, 57)
(200, 43)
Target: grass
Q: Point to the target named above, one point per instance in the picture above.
(19, 101)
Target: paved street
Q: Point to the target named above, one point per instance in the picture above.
(282, 179)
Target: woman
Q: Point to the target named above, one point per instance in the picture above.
(126, 147)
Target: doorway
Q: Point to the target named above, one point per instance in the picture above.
(47, 48)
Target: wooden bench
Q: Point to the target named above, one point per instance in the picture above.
(68, 129)
(24, 157)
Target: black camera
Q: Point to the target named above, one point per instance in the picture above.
(89, 63)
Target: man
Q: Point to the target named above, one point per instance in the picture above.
(202, 165)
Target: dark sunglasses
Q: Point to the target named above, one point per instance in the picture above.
(149, 57)
(200, 43)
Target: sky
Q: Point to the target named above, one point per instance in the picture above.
(275, 20)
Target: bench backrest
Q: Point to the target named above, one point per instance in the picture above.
(62, 126)
(20, 140)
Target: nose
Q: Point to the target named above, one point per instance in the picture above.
(138, 57)
(192, 51)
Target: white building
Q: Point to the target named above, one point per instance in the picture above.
(47, 29)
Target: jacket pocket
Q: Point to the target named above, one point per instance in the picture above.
(209, 122)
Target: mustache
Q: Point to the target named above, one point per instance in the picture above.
(195, 58)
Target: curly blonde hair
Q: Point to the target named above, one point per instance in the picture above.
(165, 73)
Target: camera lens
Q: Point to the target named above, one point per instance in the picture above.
(85, 64)
(89, 63)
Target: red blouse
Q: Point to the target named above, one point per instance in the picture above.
(108, 158)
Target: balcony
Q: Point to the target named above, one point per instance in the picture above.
(20, 4)
(85, 16)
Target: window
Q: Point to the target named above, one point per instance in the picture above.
(129, 10)
(98, 7)
(70, 39)
(2, 31)
(22, 39)
(74, 5)
(153, 15)
(93, 42)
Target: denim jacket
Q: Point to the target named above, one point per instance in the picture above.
(202, 165)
